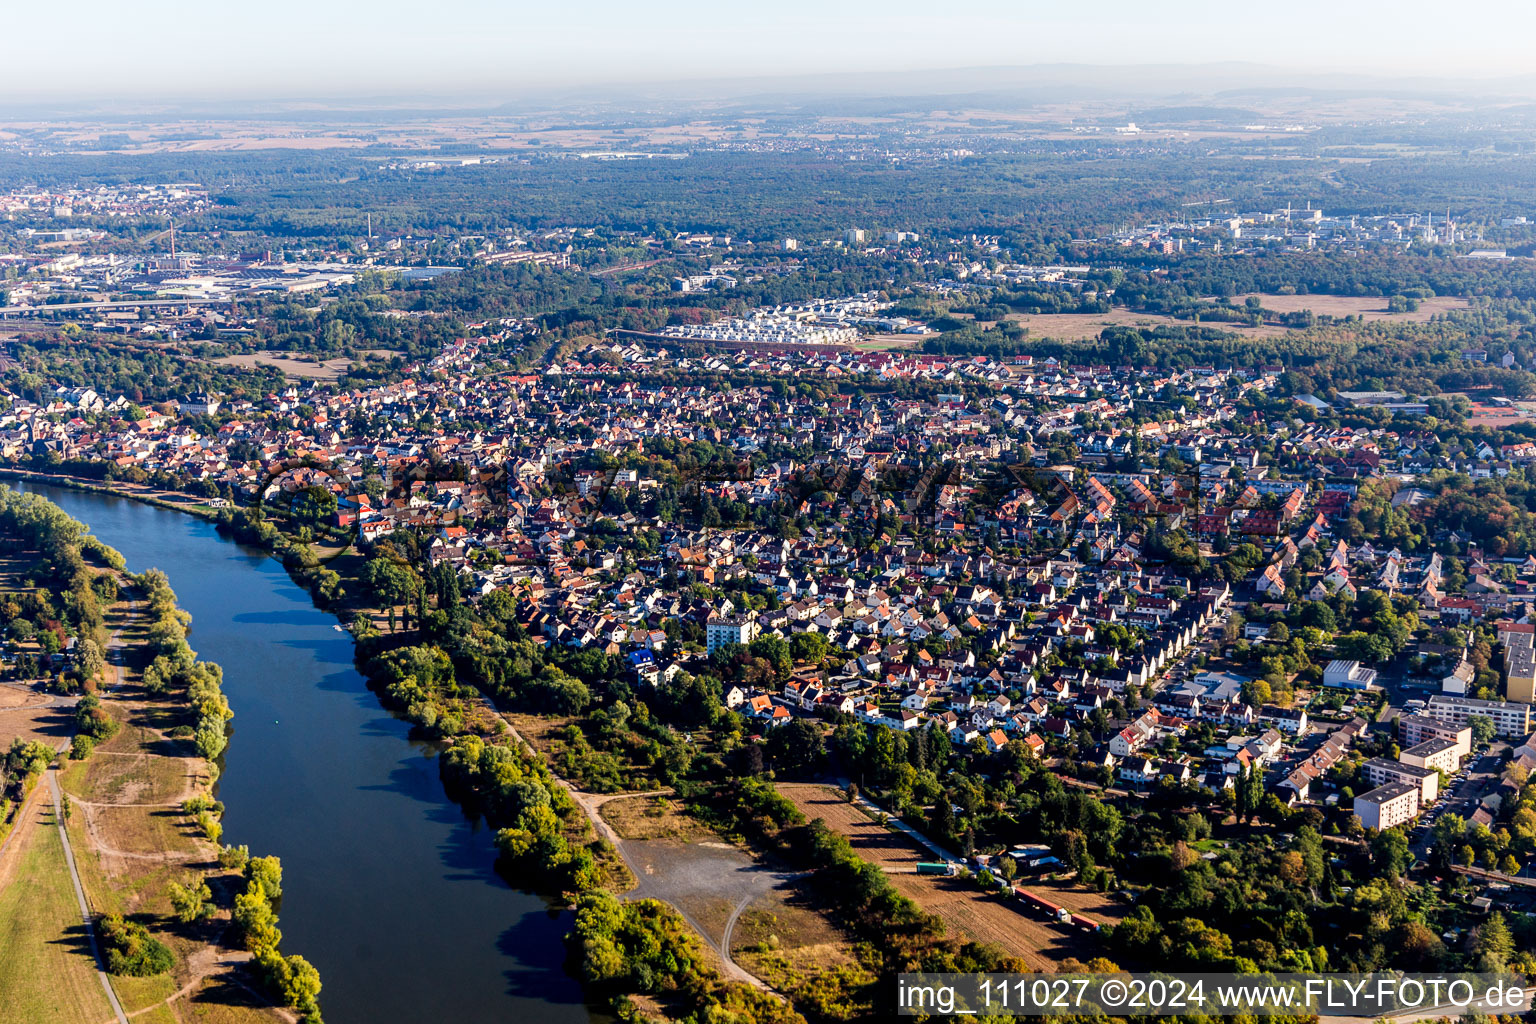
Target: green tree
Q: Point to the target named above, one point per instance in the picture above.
(255, 921)
(266, 874)
(796, 747)
(192, 901)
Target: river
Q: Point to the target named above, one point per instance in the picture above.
(388, 889)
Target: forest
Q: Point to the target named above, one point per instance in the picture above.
(1035, 195)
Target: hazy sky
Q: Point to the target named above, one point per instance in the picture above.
(293, 48)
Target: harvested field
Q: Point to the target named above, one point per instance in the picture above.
(33, 715)
(1009, 923)
(965, 909)
(1367, 307)
(890, 850)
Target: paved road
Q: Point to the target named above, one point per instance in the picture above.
(85, 910)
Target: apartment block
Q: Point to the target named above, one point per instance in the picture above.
(1387, 805)
(1510, 718)
(1434, 754)
(1415, 729)
(1380, 770)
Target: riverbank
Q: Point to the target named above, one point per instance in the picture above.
(690, 893)
(350, 800)
(115, 806)
(172, 501)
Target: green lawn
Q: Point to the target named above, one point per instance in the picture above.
(47, 975)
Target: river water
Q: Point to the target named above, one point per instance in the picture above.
(387, 888)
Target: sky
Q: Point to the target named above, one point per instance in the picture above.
(222, 49)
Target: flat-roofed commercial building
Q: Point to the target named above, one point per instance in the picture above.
(1387, 805)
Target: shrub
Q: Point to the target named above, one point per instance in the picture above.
(131, 950)
(293, 981)
(92, 719)
(234, 857)
(210, 826)
(81, 746)
(201, 802)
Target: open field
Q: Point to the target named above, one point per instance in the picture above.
(787, 943)
(1087, 326)
(965, 909)
(330, 369)
(653, 817)
(707, 879)
(34, 715)
(1367, 307)
(541, 732)
(888, 342)
(763, 921)
(47, 974)
(131, 840)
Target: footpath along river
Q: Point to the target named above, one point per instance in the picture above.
(388, 888)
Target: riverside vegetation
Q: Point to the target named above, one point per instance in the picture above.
(61, 607)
